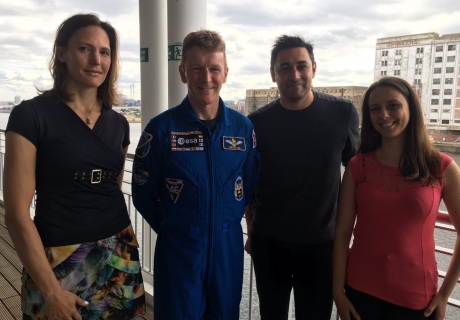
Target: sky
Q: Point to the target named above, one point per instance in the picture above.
(343, 33)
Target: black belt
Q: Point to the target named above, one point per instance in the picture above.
(96, 175)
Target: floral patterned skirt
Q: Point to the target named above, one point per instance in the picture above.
(106, 273)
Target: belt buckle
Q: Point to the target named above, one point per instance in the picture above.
(96, 176)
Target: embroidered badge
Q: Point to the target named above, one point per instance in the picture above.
(174, 187)
(238, 191)
(187, 141)
(234, 143)
(140, 175)
(143, 147)
(254, 140)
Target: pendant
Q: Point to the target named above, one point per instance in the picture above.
(88, 121)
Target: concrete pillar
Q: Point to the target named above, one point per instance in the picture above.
(184, 16)
(153, 30)
(154, 97)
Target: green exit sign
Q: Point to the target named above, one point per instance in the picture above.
(144, 54)
(175, 52)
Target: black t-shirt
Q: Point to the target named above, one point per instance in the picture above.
(70, 210)
(301, 152)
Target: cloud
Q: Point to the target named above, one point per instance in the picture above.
(344, 34)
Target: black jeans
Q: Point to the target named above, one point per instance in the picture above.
(282, 266)
(372, 308)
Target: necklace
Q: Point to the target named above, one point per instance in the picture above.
(88, 120)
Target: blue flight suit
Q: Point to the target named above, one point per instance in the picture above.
(192, 187)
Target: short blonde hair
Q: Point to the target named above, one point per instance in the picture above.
(205, 39)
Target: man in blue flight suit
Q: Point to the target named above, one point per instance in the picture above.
(194, 171)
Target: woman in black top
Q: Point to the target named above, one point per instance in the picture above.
(79, 252)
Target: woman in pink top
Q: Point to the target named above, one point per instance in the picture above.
(389, 201)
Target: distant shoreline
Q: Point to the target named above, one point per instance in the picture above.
(449, 147)
(133, 119)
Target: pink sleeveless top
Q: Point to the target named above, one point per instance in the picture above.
(393, 252)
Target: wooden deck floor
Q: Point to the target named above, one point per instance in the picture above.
(10, 277)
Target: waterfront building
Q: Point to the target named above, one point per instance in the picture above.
(429, 62)
(238, 105)
(257, 98)
(353, 93)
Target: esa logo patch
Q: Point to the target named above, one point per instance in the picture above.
(234, 143)
(238, 191)
(187, 141)
(174, 187)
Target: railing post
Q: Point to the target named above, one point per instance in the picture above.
(250, 289)
(2, 138)
(291, 304)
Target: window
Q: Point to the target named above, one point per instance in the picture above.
(418, 71)
(446, 101)
(435, 92)
(449, 81)
(433, 121)
(419, 50)
(445, 121)
(436, 81)
(451, 47)
(449, 70)
(451, 59)
(437, 70)
(438, 59)
(384, 63)
(398, 52)
(447, 91)
(445, 110)
(384, 53)
(417, 81)
(457, 121)
(418, 61)
(439, 48)
(397, 72)
(434, 102)
(397, 62)
(383, 73)
(434, 110)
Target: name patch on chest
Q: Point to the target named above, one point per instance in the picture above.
(187, 141)
(234, 143)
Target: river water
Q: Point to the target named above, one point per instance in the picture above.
(443, 239)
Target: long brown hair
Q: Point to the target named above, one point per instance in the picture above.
(420, 159)
(107, 91)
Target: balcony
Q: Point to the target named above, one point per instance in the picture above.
(10, 266)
